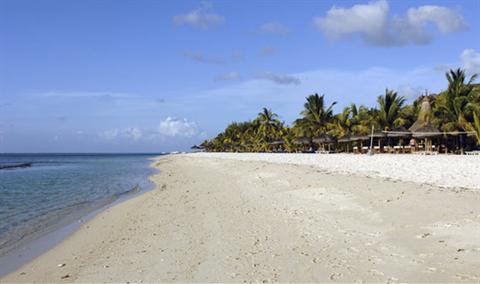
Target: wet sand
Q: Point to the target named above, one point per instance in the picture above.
(225, 220)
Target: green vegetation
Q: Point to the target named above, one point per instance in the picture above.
(455, 109)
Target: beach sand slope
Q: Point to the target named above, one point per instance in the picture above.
(232, 221)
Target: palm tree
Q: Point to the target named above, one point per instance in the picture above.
(363, 118)
(268, 125)
(315, 116)
(454, 108)
(475, 127)
(342, 123)
(390, 106)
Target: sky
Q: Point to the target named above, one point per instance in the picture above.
(152, 76)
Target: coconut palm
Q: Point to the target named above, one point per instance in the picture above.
(454, 107)
(363, 118)
(268, 125)
(342, 123)
(315, 116)
(390, 106)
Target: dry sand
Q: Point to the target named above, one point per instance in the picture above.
(223, 220)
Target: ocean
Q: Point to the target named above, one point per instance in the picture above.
(59, 189)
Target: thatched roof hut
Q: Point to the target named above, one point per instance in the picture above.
(344, 139)
(358, 137)
(303, 141)
(426, 131)
(324, 139)
(399, 132)
(423, 128)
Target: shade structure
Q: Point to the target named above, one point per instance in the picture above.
(344, 139)
(399, 132)
(378, 134)
(359, 138)
(303, 141)
(324, 138)
(426, 131)
(196, 147)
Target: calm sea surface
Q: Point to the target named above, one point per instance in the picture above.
(60, 188)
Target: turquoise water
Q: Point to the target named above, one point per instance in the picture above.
(60, 188)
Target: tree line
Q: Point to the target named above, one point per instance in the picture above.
(455, 109)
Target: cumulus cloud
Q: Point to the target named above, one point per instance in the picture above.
(274, 28)
(229, 76)
(199, 57)
(471, 61)
(168, 128)
(202, 18)
(174, 127)
(374, 25)
(278, 79)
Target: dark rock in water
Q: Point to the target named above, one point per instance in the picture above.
(22, 165)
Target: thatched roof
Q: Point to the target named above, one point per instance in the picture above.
(358, 137)
(303, 141)
(324, 138)
(427, 131)
(423, 116)
(400, 131)
(196, 147)
(345, 138)
(423, 128)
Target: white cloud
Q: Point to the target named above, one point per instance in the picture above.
(132, 133)
(445, 19)
(410, 92)
(201, 17)
(169, 128)
(173, 127)
(372, 22)
(368, 19)
(279, 79)
(471, 61)
(274, 28)
(229, 76)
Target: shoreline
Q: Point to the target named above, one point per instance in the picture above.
(24, 251)
(224, 220)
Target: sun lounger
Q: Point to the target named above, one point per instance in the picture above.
(475, 153)
(388, 149)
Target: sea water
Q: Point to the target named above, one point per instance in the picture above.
(60, 188)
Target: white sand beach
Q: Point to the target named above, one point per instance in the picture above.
(439, 170)
(282, 218)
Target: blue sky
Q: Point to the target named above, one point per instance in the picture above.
(150, 76)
